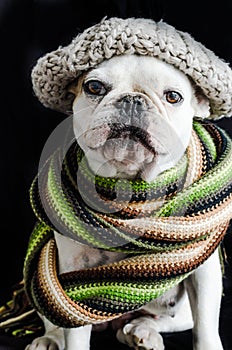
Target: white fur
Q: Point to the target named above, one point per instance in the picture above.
(169, 125)
(197, 299)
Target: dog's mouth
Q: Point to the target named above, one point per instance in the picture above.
(127, 147)
(101, 135)
(131, 134)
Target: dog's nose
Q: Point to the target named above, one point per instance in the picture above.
(133, 99)
(131, 106)
(129, 101)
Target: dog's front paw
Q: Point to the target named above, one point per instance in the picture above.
(43, 343)
(140, 336)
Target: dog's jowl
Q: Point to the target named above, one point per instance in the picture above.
(132, 212)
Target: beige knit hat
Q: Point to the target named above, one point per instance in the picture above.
(115, 36)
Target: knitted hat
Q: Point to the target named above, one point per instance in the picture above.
(115, 36)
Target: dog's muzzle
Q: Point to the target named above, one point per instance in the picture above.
(128, 121)
(131, 132)
(132, 123)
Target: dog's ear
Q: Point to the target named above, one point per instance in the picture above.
(200, 103)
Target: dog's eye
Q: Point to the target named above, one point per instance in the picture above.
(94, 87)
(173, 97)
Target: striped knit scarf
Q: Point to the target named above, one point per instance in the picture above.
(167, 228)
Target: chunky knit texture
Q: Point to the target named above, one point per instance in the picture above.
(168, 228)
(54, 72)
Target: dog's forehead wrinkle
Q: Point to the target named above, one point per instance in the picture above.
(135, 67)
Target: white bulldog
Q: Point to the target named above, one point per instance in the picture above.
(132, 116)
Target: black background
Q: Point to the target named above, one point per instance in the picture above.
(29, 29)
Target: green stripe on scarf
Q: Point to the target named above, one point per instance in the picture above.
(163, 245)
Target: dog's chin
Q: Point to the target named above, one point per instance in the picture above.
(127, 152)
(127, 157)
(126, 169)
(122, 158)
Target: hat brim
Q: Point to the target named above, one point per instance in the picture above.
(54, 72)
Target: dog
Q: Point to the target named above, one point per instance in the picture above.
(152, 95)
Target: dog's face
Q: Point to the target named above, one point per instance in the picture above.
(133, 116)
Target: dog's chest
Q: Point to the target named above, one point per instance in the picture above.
(74, 256)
